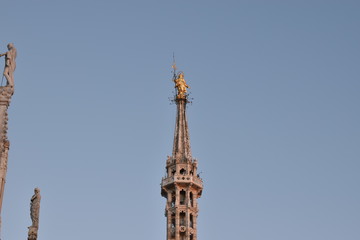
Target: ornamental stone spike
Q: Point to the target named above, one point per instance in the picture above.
(6, 93)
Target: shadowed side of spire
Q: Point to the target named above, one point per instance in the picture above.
(181, 148)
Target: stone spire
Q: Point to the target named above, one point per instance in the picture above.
(181, 148)
(6, 93)
(5, 96)
(181, 186)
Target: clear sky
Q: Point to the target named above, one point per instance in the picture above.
(274, 123)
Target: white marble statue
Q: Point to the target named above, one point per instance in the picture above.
(10, 64)
(35, 207)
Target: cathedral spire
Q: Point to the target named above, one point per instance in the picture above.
(181, 147)
(181, 186)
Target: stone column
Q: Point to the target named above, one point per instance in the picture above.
(187, 200)
(187, 233)
(195, 167)
(168, 214)
(195, 197)
(168, 232)
(195, 225)
(177, 225)
(177, 197)
(3, 167)
(188, 205)
(5, 97)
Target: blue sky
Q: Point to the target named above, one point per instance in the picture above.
(274, 123)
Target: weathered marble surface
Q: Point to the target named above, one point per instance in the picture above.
(34, 214)
(5, 96)
(10, 64)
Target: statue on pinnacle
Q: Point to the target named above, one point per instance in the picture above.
(10, 64)
(5, 97)
(181, 86)
(34, 214)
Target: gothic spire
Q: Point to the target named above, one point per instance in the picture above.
(181, 186)
(181, 148)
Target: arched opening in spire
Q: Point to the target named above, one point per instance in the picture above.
(182, 197)
(172, 230)
(183, 171)
(191, 199)
(191, 224)
(173, 199)
(182, 219)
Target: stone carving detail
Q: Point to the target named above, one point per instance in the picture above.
(5, 93)
(4, 127)
(10, 64)
(34, 214)
(4, 156)
(4, 143)
(182, 228)
(32, 234)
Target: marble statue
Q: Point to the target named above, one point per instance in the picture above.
(10, 64)
(35, 207)
(34, 214)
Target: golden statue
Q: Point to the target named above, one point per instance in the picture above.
(181, 86)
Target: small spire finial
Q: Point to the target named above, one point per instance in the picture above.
(173, 66)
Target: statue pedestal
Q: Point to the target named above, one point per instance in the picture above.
(32, 234)
(5, 94)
